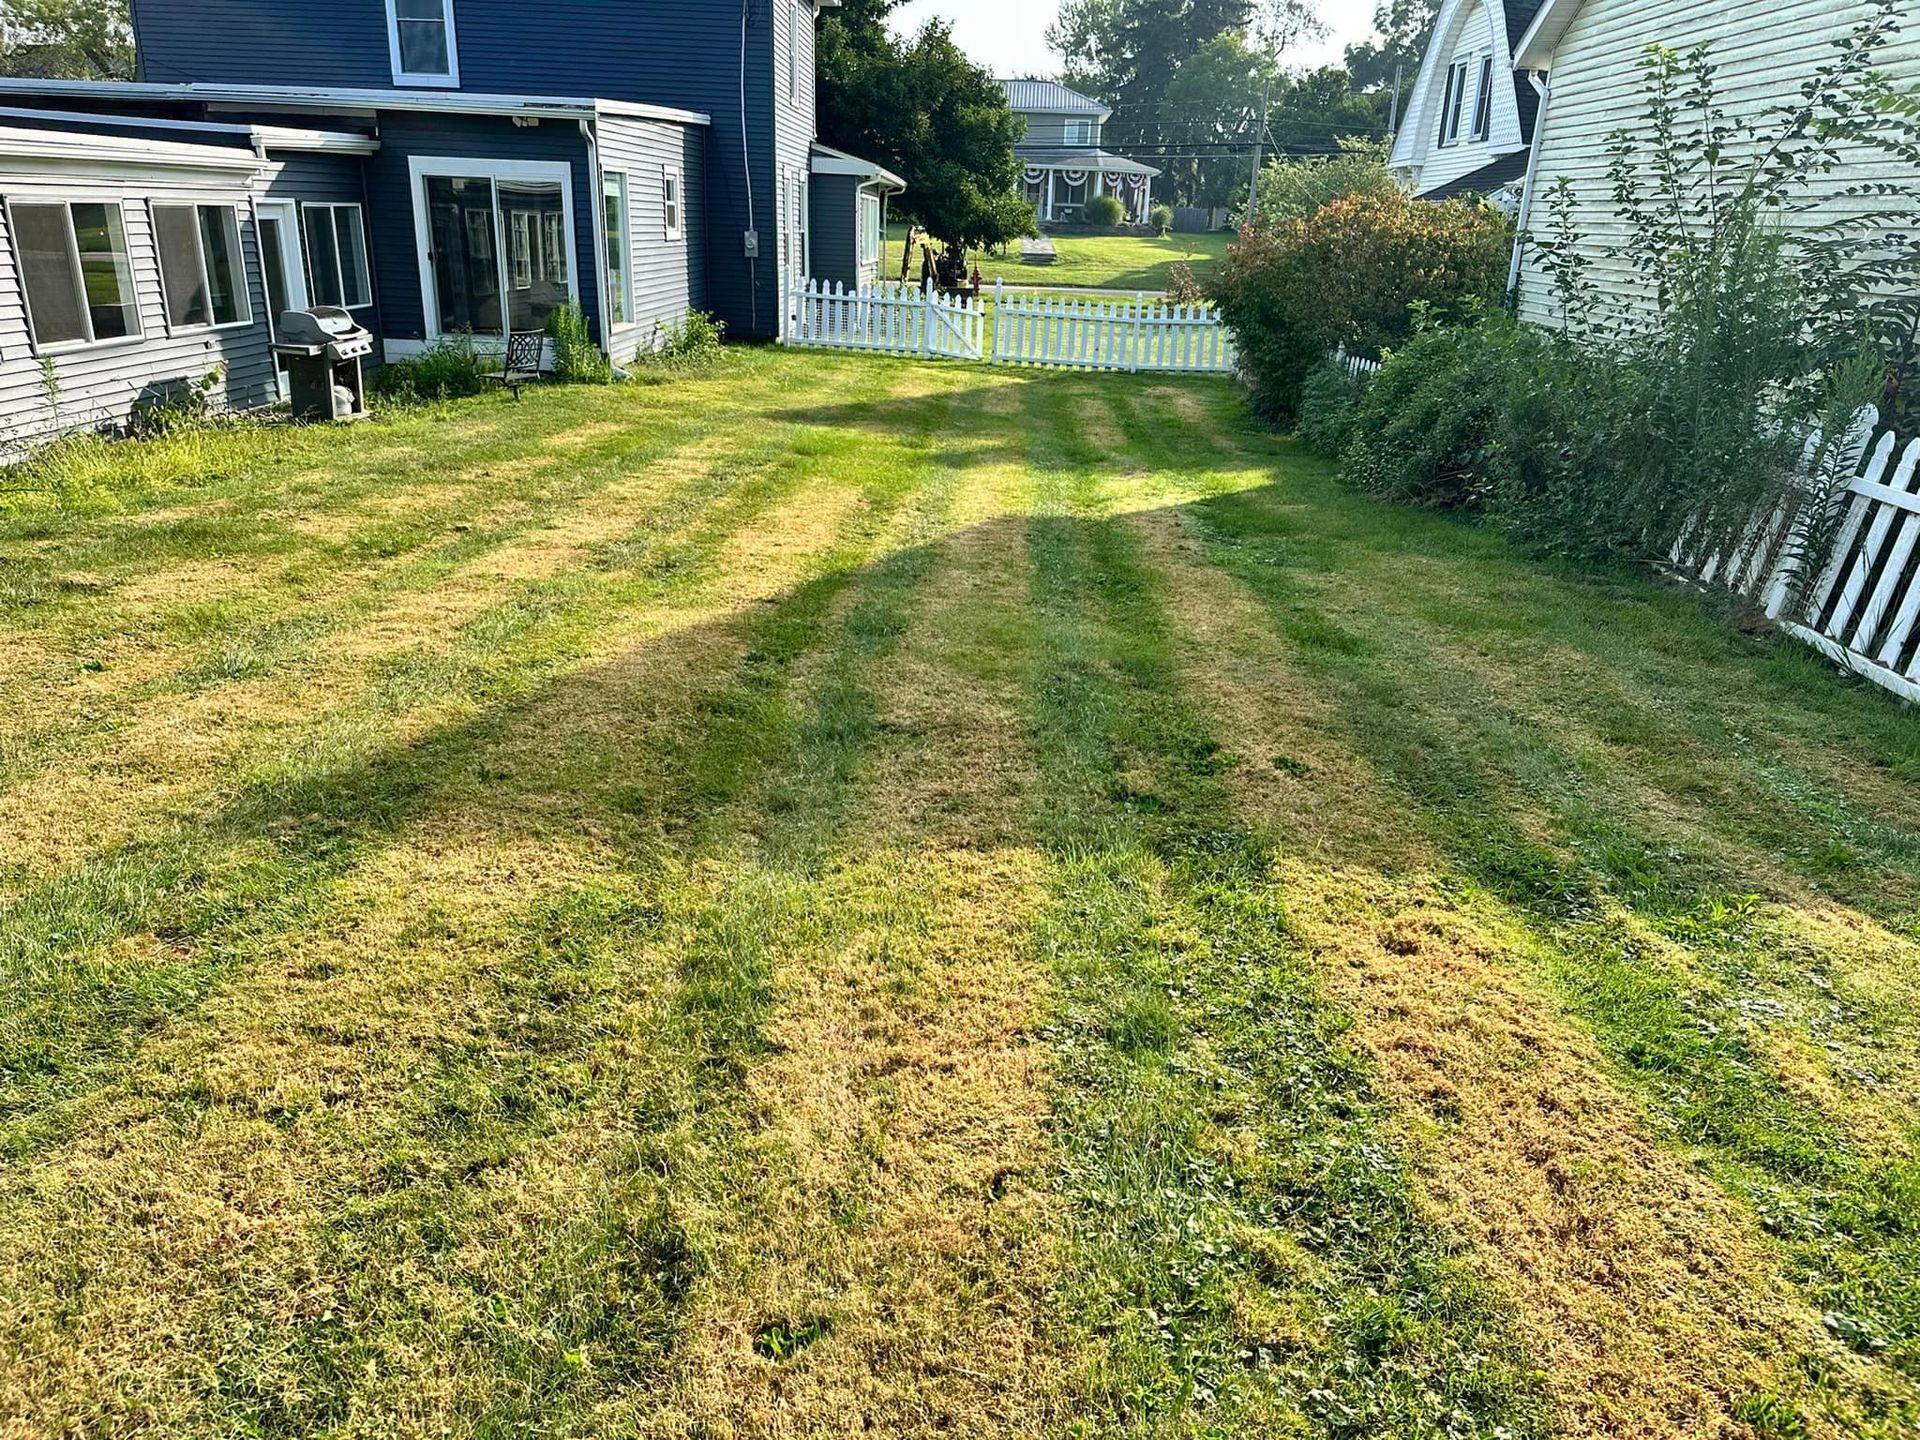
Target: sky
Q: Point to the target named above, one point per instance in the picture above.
(1008, 37)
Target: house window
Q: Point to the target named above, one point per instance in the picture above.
(1453, 102)
(1483, 102)
(337, 255)
(613, 216)
(670, 201)
(76, 272)
(1079, 132)
(496, 243)
(870, 227)
(420, 41)
(200, 268)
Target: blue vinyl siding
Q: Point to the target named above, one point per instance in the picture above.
(683, 53)
(325, 180)
(396, 253)
(836, 229)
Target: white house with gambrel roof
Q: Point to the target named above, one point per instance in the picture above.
(1065, 165)
(1469, 121)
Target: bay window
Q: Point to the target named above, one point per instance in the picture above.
(201, 272)
(76, 271)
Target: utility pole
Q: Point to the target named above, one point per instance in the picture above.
(1393, 112)
(1259, 138)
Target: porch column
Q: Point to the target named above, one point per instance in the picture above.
(1052, 175)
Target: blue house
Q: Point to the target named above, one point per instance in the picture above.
(435, 166)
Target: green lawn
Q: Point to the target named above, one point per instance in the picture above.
(840, 897)
(1109, 262)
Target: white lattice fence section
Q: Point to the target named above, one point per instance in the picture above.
(1084, 333)
(1861, 606)
(885, 319)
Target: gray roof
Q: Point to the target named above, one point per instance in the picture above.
(1050, 97)
(1081, 158)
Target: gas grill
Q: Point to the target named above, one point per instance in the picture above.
(322, 348)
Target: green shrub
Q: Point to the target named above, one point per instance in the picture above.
(1161, 218)
(1292, 189)
(1329, 409)
(450, 368)
(1353, 275)
(576, 355)
(1103, 210)
(691, 342)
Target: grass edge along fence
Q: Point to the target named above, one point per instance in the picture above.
(1132, 333)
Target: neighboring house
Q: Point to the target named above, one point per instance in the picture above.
(847, 226)
(1470, 118)
(1065, 166)
(1764, 50)
(473, 168)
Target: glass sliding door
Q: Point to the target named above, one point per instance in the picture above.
(465, 250)
(497, 248)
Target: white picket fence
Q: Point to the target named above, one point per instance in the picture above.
(887, 319)
(1138, 333)
(1862, 607)
(1355, 367)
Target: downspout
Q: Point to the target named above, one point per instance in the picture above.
(1544, 89)
(597, 222)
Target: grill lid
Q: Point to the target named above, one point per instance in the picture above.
(321, 325)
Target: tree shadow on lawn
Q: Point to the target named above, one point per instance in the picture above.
(653, 754)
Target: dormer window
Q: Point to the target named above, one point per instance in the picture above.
(1453, 102)
(1079, 132)
(420, 38)
(1483, 102)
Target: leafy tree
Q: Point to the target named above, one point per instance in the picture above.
(66, 39)
(1405, 27)
(1297, 189)
(922, 108)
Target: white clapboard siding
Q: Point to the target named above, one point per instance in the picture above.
(1765, 50)
(1083, 333)
(888, 319)
(1863, 606)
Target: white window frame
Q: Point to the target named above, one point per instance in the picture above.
(1482, 125)
(1453, 101)
(874, 204)
(240, 227)
(421, 168)
(673, 202)
(68, 201)
(620, 181)
(1078, 133)
(793, 51)
(309, 207)
(403, 76)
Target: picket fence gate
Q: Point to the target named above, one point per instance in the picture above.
(1135, 334)
(884, 319)
(1861, 607)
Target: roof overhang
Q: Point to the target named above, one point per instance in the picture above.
(828, 161)
(66, 153)
(303, 98)
(1103, 161)
(1535, 51)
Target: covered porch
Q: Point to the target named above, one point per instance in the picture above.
(1059, 183)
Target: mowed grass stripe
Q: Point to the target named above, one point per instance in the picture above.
(1651, 1301)
(1247, 1253)
(1659, 962)
(100, 951)
(500, 1087)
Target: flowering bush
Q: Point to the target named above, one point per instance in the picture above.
(1353, 275)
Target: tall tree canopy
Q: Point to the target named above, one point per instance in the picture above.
(922, 108)
(66, 39)
(1185, 79)
(1405, 26)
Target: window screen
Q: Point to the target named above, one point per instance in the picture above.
(420, 27)
(200, 265)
